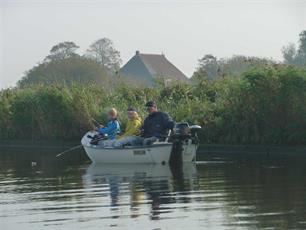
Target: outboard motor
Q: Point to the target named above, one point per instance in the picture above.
(181, 134)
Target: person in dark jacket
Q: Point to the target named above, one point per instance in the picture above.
(156, 126)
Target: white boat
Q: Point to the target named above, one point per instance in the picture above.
(158, 153)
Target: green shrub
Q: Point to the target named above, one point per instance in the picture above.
(264, 106)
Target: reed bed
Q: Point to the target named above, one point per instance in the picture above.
(263, 106)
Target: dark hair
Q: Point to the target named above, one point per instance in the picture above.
(151, 104)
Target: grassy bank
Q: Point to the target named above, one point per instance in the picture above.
(264, 106)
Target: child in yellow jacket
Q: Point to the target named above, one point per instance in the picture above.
(132, 129)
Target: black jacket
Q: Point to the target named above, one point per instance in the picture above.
(157, 124)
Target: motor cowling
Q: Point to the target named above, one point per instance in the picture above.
(181, 131)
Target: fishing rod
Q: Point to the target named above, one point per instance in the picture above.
(95, 122)
(94, 141)
(69, 150)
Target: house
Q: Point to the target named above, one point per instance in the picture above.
(145, 69)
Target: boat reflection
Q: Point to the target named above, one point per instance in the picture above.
(137, 185)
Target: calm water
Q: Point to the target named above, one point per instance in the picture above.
(238, 192)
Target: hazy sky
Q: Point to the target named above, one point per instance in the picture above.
(183, 30)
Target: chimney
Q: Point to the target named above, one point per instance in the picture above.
(137, 52)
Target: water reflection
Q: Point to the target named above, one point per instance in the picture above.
(146, 184)
(258, 192)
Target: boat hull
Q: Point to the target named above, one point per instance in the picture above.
(157, 153)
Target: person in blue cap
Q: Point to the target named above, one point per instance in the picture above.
(156, 125)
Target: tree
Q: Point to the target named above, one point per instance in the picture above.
(209, 66)
(289, 53)
(75, 69)
(295, 56)
(103, 52)
(301, 53)
(302, 42)
(62, 51)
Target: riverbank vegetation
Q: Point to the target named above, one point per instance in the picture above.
(238, 100)
(266, 105)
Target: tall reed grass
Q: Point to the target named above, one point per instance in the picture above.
(263, 106)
